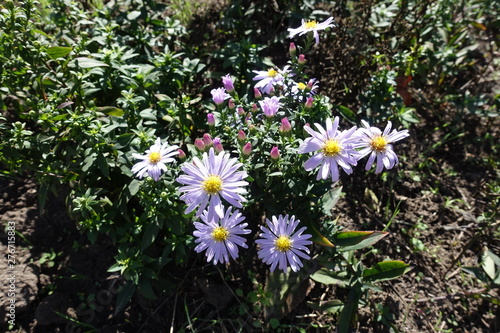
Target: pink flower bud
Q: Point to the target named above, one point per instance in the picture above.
(309, 102)
(247, 149)
(285, 125)
(181, 155)
(275, 153)
(257, 94)
(241, 111)
(207, 140)
(241, 135)
(231, 105)
(310, 85)
(292, 49)
(302, 59)
(210, 119)
(255, 108)
(199, 144)
(218, 145)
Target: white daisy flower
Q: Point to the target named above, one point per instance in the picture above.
(154, 160)
(311, 26)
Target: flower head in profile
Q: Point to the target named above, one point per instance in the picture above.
(221, 238)
(227, 81)
(281, 245)
(311, 26)
(268, 79)
(154, 160)
(270, 106)
(219, 95)
(209, 180)
(332, 147)
(378, 145)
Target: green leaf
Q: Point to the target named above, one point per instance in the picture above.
(317, 237)
(84, 62)
(488, 263)
(355, 240)
(58, 51)
(477, 272)
(146, 289)
(134, 187)
(326, 276)
(332, 306)
(124, 296)
(346, 317)
(102, 164)
(347, 113)
(329, 200)
(115, 268)
(111, 111)
(386, 270)
(150, 234)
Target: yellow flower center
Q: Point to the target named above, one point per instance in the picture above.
(212, 185)
(301, 86)
(310, 24)
(283, 243)
(154, 157)
(220, 234)
(378, 143)
(331, 147)
(272, 73)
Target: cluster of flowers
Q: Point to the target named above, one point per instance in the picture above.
(215, 177)
(206, 182)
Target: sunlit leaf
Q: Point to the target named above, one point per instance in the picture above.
(84, 62)
(327, 276)
(317, 237)
(355, 240)
(386, 270)
(58, 51)
(329, 200)
(488, 263)
(111, 111)
(478, 25)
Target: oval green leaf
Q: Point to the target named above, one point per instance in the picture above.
(84, 62)
(355, 240)
(386, 270)
(58, 51)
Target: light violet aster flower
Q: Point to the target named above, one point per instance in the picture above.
(311, 26)
(154, 160)
(227, 81)
(378, 145)
(267, 79)
(219, 95)
(281, 246)
(221, 238)
(209, 180)
(270, 106)
(333, 148)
